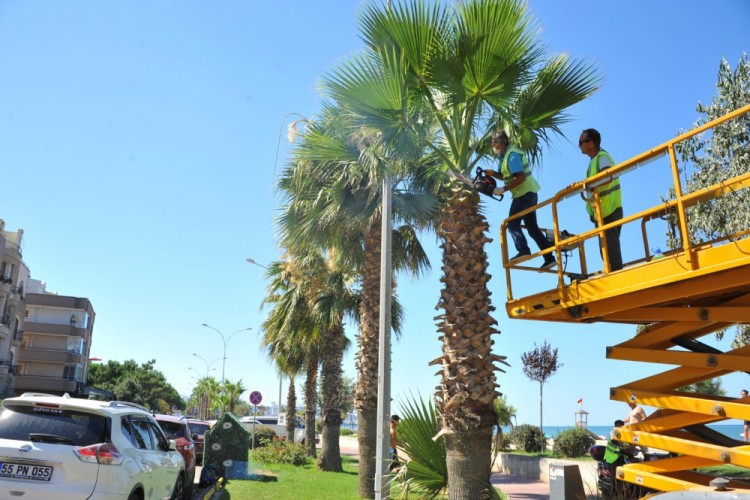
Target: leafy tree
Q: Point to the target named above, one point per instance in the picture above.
(540, 364)
(710, 386)
(711, 157)
(140, 384)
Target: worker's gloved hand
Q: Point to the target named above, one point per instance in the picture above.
(499, 191)
(490, 172)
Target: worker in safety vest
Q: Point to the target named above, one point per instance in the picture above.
(610, 196)
(516, 176)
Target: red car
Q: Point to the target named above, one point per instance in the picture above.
(199, 428)
(178, 429)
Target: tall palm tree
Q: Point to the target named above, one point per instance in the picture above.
(206, 394)
(232, 392)
(291, 336)
(471, 68)
(335, 298)
(334, 188)
(321, 288)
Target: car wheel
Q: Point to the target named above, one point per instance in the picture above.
(136, 495)
(179, 489)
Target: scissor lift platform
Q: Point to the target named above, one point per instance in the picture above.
(693, 290)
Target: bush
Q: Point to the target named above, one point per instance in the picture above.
(527, 438)
(264, 436)
(346, 432)
(573, 443)
(501, 443)
(281, 452)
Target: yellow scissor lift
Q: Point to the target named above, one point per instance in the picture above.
(689, 292)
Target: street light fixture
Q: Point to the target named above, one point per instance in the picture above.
(208, 365)
(250, 260)
(225, 340)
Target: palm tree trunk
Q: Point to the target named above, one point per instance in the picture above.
(366, 393)
(291, 410)
(333, 354)
(467, 389)
(311, 403)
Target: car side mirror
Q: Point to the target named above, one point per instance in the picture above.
(172, 445)
(195, 436)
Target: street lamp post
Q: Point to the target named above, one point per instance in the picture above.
(252, 261)
(208, 365)
(225, 340)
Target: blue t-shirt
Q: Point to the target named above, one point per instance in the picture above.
(515, 163)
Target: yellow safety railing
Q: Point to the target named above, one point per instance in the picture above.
(697, 288)
(675, 208)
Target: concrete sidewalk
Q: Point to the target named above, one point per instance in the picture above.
(520, 488)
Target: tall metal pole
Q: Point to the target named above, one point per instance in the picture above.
(225, 341)
(383, 448)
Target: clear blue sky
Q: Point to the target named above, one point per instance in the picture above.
(137, 149)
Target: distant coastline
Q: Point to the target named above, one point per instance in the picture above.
(732, 430)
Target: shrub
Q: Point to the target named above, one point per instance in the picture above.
(281, 452)
(527, 438)
(573, 443)
(346, 432)
(264, 435)
(501, 442)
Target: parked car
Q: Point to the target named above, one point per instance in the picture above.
(199, 429)
(58, 447)
(277, 424)
(178, 428)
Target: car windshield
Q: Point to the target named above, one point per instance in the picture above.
(173, 430)
(199, 428)
(52, 425)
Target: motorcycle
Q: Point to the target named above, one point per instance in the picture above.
(609, 486)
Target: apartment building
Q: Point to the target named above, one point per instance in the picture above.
(55, 348)
(14, 275)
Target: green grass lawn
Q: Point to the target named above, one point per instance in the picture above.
(299, 483)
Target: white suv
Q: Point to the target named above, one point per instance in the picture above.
(58, 447)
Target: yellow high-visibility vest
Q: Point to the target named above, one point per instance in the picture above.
(529, 184)
(610, 195)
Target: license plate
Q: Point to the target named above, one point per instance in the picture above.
(22, 471)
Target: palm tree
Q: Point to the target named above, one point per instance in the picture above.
(322, 289)
(232, 392)
(471, 68)
(291, 336)
(334, 187)
(335, 299)
(205, 396)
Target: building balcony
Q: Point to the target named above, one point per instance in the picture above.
(24, 383)
(51, 356)
(66, 329)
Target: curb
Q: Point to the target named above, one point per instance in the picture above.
(217, 488)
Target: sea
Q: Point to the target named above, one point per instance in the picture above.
(731, 430)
